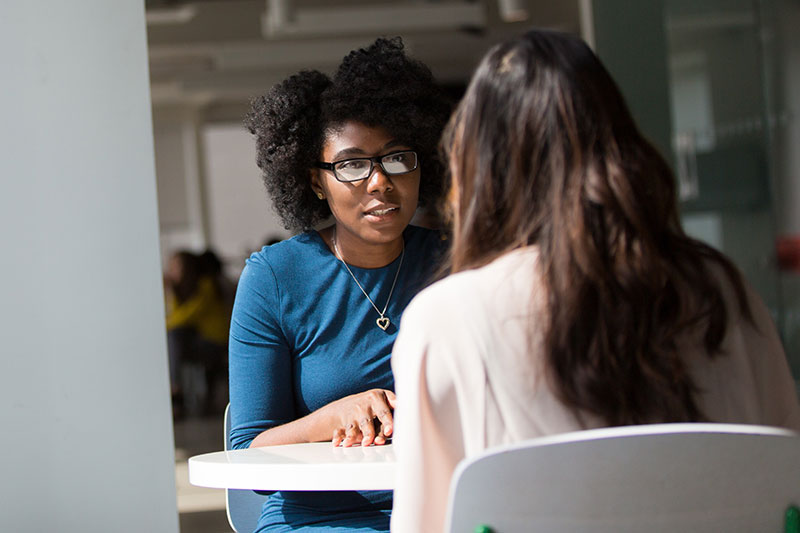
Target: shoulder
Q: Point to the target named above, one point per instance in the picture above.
(301, 251)
(498, 278)
(283, 250)
(450, 331)
(423, 240)
(471, 296)
(425, 248)
(270, 270)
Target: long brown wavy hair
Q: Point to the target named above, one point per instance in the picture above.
(543, 151)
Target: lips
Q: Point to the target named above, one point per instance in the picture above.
(382, 210)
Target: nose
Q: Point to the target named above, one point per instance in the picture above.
(378, 181)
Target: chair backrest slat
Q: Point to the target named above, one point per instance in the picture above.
(663, 477)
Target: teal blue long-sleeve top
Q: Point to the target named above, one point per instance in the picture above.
(303, 335)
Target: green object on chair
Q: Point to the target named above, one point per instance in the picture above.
(483, 528)
(792, 520)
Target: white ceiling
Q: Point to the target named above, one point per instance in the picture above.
(217, 53)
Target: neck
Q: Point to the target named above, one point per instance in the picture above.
(356, 252)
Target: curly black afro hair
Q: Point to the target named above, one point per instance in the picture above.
(377, 86)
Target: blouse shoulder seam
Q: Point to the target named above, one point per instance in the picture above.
(268, 264)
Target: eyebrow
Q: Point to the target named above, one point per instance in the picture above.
(358, 152)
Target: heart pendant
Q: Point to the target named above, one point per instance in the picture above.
(383, 323)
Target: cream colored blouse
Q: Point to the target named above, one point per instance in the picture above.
(468, 377)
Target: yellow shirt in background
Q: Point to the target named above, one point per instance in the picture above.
(206, 312)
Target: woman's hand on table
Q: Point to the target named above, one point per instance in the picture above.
(364, 418)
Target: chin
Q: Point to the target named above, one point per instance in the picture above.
(386, 234)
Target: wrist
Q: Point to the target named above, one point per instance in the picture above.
(319, 424)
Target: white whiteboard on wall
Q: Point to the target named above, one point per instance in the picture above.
(240, 215)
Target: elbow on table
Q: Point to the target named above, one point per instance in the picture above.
(240, 440)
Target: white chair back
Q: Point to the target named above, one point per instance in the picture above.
(654, 478)
(242, 506)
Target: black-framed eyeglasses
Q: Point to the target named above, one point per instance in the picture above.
(359, 168)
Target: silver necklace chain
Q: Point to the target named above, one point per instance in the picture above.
(382, 321)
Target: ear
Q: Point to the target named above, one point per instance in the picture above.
(316, 184)
(315, 181)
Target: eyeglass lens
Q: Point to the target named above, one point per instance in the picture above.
(392, 164)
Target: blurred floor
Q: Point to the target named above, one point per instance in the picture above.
(201, 510)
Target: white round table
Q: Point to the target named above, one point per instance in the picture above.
(311, 466)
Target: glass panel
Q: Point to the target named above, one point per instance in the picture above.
(720, 98)
(722, 66)
(716, 85)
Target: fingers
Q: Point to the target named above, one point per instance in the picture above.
(373, 433)
(391, 398)
(352, 435)
(383, 411)
(367, 419)
(380, 438)
(338, 436)
(384, 416)
(367, 430)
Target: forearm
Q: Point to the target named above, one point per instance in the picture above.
(310, 428)
(364, 418)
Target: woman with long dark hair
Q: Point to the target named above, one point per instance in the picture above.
(575, 299)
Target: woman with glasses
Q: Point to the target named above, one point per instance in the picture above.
(575, 300)
(316, 316)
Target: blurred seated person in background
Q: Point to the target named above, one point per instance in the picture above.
(316, 315)
(575, 299)
(210, 267)
(198, 318)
